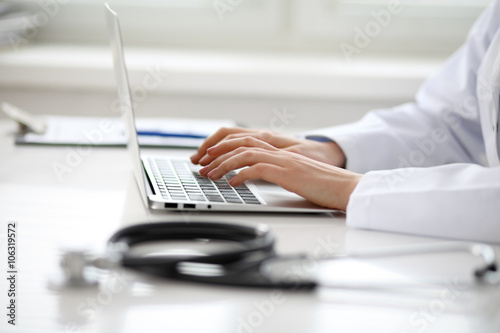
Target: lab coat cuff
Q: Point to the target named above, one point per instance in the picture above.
(358, 207)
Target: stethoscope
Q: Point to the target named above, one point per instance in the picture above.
(248, 259)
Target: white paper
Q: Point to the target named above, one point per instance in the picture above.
(72, 130)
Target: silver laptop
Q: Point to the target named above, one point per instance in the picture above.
(168, 183)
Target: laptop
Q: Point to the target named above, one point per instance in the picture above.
(169, 183)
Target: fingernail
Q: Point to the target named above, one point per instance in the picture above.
(212, 173)
(212, 151)
(204, 160)
(232, 181)
(202, 171)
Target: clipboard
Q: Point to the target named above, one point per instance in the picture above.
(99, 131)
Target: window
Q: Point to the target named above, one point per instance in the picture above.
(385, 26)
(402, 26)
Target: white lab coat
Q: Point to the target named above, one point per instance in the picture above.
(432, 166)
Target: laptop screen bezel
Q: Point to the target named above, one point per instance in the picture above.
(124, 95)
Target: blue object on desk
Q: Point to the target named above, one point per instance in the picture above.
(171, 135)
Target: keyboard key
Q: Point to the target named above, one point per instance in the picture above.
(226, 194)
(176, 191)
(244, 193)
(249, 199)
(205, 188)
(197, 198)
(177, 180)
(234, 200)
(213, 193)
(191, 188)
(213, 198)
(252, 202)
(228, 199)
(247, 194)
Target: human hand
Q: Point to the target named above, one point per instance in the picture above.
(326, 152)
(320, 183)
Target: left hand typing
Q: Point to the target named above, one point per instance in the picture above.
(320, 183)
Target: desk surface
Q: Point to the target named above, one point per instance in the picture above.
(96, 195)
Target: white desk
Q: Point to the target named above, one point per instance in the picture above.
(99, 196)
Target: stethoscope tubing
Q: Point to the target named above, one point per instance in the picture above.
(245, 265)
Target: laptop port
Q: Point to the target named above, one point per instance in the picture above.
(170, 205)
(190, 206)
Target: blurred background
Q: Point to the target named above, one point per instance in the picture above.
(320, 62)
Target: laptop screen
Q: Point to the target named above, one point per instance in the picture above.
(124, 96)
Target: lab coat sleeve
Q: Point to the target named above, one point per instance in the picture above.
(459, 201)
(441, 127)
(424, 162)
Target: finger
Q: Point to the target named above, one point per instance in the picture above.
(213, 139)
(247, 157)
(229, 145)
(250, 140)
(218, 160)
(274, 139)
(268, 172)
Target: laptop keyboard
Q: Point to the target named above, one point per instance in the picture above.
(176, 181)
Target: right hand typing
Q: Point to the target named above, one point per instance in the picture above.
(228, 139)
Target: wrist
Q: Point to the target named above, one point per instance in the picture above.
(335, 154)
(350, 184)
